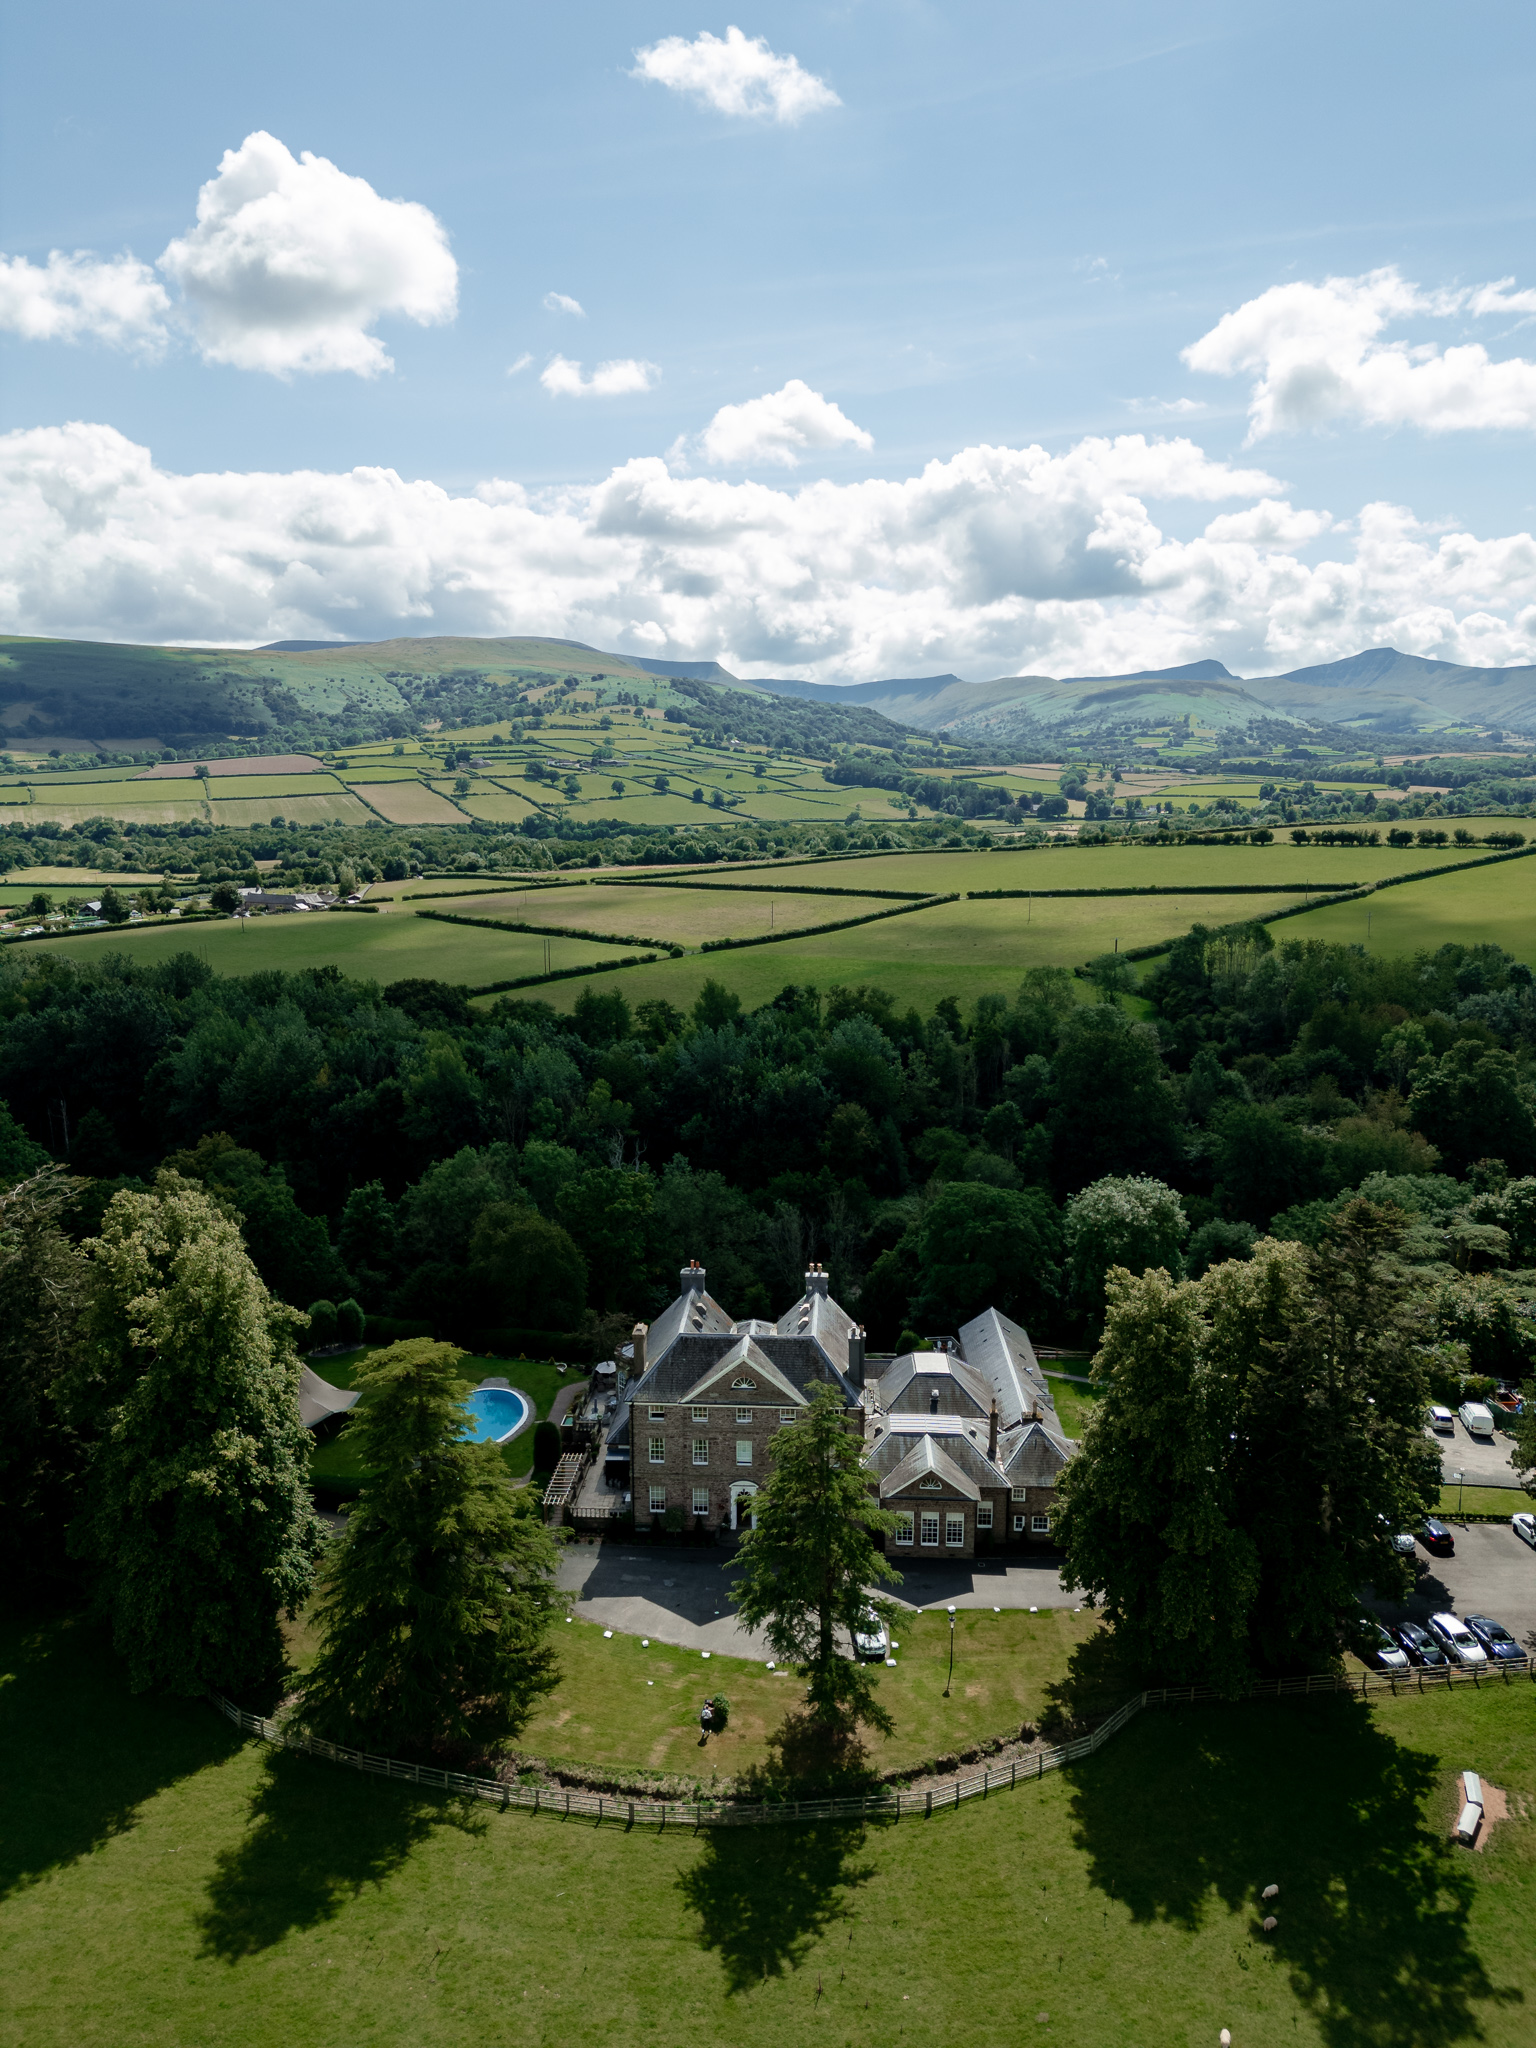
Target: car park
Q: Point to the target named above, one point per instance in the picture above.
(1495, 1639)
(1442, 1421)
(1374, 1645)
(1524, 1527)
(1420, 1646)
(1476, 1419)
(1437, 1538)
(1457, 1640)
(871, 1638)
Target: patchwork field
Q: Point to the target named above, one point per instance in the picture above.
(686, 917)
(408, 803)
(1494, 906)
(164, 1881)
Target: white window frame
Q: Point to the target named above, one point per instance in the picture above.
(925, 1523)
(701, 1450)
(984, 1514)
(656, 1414)
(1039, 1525)
(744, 1415)
(954, 1530)
(701, 1500)
(658, 1450)
(1020, 1492)
(786, 1415)
(1020, 1523)
(743, 1450)
(699, 1414)
(658, 1499)
(902, 1533)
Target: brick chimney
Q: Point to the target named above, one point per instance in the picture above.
(691, 1279)
(637, 1338)
(856, 1355)
(992, 1434)
(816, 1281)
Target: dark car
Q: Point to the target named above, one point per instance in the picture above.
(1495, 1639)
(1437, 1538)
(1421, 1647)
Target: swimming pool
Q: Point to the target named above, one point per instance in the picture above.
(495, 1414)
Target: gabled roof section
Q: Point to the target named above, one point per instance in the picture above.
(1037, 1457)
(1003, 1354)
(907, 1384)
(966, 1446)
(927, 1460)
(825, 1321)
(692, 1314)
(746, 1360)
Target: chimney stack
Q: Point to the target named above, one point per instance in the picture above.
(856, 1354)
(992, 1435)
(691, 1279)
(637, 1339)
(816, 1282)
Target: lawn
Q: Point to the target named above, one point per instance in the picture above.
(390, 946)
(1489, 906)
(622, 1703)
(1074, 1401)
(163, 1881)
(335, 1466)
(1484, 1500)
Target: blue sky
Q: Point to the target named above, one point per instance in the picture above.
(970, 243)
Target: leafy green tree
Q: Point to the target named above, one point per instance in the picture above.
(1116, 1111)
(527, 1270)
(606, 1212)
(438, 1598)
(1131, 1222)
(1474, 1104)
(986, 1247)
(226, 897)
(42, 1301)
(196, 1512)
(1258, 1440)
(114, 907)
(808, 1564)
(292, 1251)
(1263, 1162)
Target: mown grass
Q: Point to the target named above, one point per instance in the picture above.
(164, 1882)
(1486, 906)
(1484, 1500)
(335, 1464)
(1073, 1400)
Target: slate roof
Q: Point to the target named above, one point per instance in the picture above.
(910, 1381)
(930, 1457)
(827, 1321)
(1003, 1354)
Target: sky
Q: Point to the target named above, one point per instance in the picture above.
(832, 341)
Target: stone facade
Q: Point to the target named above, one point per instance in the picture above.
(964, 1446)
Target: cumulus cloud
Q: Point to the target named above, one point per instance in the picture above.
(779, 427)
(1320, 356)
(562, 378)
(292, 263)
(115, 299)
(561, 302)
(739, 76)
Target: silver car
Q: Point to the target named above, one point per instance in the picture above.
(1457, 1640)
(871, 1639)
(1524, 1527)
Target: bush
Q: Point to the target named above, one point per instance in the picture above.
(546, 1447)
(722, 1711)
(322, 1324)
(349, 1322)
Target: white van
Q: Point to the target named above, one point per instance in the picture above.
(1476, 1420)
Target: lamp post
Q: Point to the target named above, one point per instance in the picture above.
(951, 1678)
(1458, 1477)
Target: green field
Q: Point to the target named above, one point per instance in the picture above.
(164, 1882)
(687, 917)
(1483, 1500)
(391, 946)
(1489, 906)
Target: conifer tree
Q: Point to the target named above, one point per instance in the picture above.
(195, 1507)
(438, 1598)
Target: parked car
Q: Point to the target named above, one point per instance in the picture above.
(1442, 1420)
(1421, 1646)
(1524, 1527)
(1476, 1419)
(1495, 1639)
(1436, 1537)
(1373, 1645)
(871, 1638)
(1457, 1640)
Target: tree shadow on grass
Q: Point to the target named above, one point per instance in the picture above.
(1314, 1796)
(317, 1834)
(82, 1755)
(765, 1895)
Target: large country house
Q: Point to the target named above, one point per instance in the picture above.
(963, 1446)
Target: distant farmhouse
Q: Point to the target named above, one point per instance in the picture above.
(964, 1447)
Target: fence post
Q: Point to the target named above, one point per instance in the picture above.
(1015, 1778)
(599, 1809)
(986, 1781)
(928, 1810)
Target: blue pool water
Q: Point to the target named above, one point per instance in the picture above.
(494, 1413)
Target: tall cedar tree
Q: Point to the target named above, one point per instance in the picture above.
(1259, 1440)
(195, 1508)
(808, 1562)
(438, 1598)
(42, 1299)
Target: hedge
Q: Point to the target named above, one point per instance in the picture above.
(553, 931)
(767, 888)
(1174, 889)
(498, 988)
(842, 924)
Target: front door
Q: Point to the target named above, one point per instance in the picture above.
(742, 1513)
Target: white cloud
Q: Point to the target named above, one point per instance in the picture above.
(1319, 355)
(514, 369)
(115, 299)
(293, 261)
(779, 427)
(740, 76)
(563, 379)
(560, 302)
